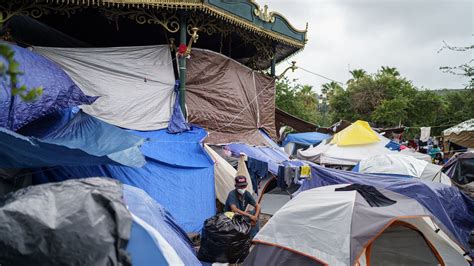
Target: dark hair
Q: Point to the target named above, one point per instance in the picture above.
(435, 146)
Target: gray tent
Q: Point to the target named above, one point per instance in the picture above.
(322, 226)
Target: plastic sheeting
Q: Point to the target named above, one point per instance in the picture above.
(135, 84)
(448, 204)
(461, 134)
(84, 140)
(59, 91)
(177, 122)
(307, 138)
(274, 157)
(178, 174)
(76, 222)
(229, 99)
(224, 176)
(155, 216)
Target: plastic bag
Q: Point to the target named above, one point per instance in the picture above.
(225, 240)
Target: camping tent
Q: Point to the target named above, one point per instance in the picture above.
(460, 168)
(461, 134)
(402, 165)
(351, 145)
(447, 203)
(296, 141)
(325, 226)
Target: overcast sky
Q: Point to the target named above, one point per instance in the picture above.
(405, 34)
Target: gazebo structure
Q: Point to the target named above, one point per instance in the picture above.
(241, 30)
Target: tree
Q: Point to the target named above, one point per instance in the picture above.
(392, 71)
(465, 69)
(356, 75)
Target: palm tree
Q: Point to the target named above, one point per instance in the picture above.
(391, 71)
(357, 74)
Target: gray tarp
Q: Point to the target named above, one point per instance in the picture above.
(75, 222)
(229, 99)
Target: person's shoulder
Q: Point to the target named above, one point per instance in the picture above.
(231, 194)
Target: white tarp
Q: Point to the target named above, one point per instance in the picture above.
(224, 176)
(135, 84)
(467, 125)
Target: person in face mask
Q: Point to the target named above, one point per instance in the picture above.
(238, 200)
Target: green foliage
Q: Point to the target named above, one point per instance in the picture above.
(11, 71)
(298, 100)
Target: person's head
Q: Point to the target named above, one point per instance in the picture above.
(240, 184)
(438, 156)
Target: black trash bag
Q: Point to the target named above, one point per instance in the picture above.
(225, 240)
(74, 222)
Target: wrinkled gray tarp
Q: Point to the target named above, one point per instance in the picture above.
(75, 222)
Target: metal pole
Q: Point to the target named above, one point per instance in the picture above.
(272, 69)
(182, 63)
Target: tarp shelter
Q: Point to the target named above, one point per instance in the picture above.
(178, 174)
(135, 84)
(324, 226)
(460, 168)
(83, 140)
(403, 166)
(156, 238)
(295, 141)
(229, 99)
(59, 91)
(447, 203)
(274, 157)
(359, 133)
(76, 222)
(461, 134)
(224, 175)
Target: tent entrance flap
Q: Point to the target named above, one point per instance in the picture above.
(403, 244)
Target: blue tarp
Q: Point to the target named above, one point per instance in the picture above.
(59, 91)
(178, 175)
(270, 141)
(143, 206)
(393, 146)
(83, 140)
(307, 138)
(453, 208)
(274, 157)
(177, 122)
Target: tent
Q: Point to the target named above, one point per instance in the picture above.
(460, 168)
(59, 91)
(447, 203)
(402, 165)
(156, 239)
(178, 174)
(69, 138)
(135, 84)
(461, 134)
(231, 101)
(351, 145)
(296, 141)
(326, 226)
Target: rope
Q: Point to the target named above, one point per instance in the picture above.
(245, 108)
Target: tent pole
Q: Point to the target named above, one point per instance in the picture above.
(182, 63)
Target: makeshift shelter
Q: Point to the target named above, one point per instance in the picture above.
(135, 84)
(45, 224)
(447, 203)
(178, 174)
(59, 91)
(402, 166)
(232, 101)
(69, 138)
(461, 134)
(296, 141)
(460, 168)
(370, 226)
(169, 244)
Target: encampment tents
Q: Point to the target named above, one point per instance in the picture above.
(460, 168)
(461, 134)
(344, 225)
(296, 141)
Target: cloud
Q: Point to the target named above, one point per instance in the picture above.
(373, 33)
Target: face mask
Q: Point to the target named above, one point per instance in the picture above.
(241, 191)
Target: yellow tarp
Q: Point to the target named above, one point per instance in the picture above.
(358, 133)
